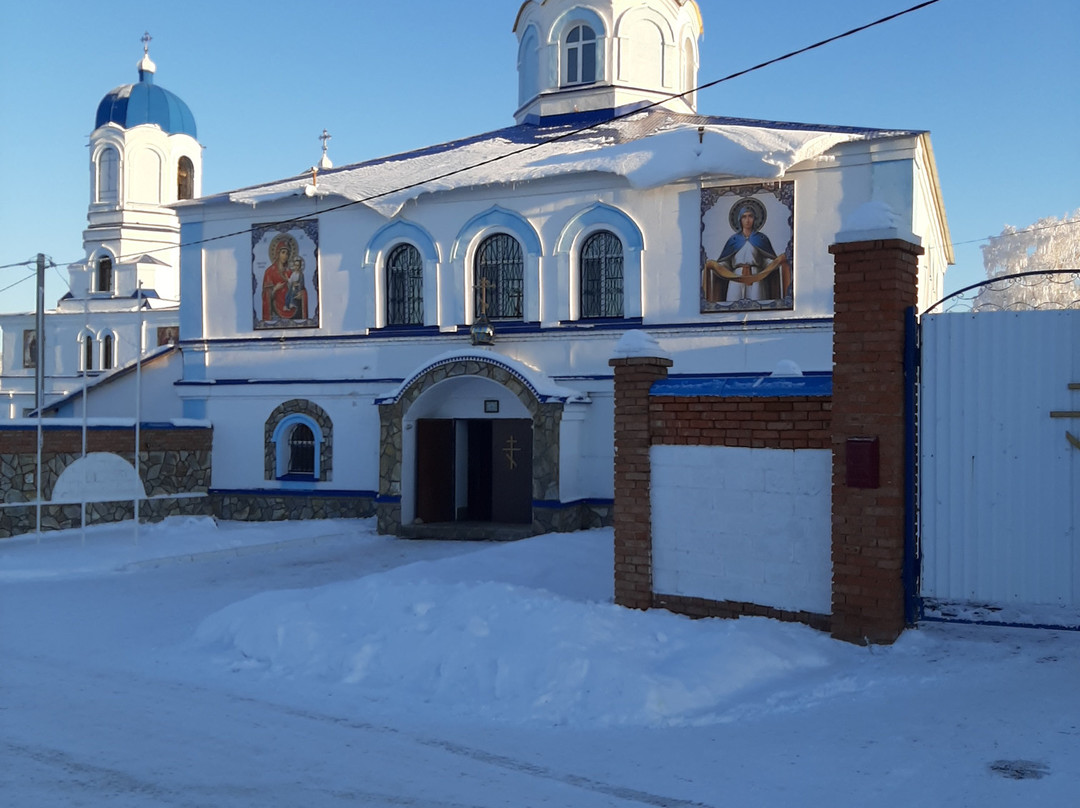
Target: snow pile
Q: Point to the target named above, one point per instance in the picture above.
(639, 344)
(514, 633)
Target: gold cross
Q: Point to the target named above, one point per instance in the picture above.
(484, 284)
(509, 449)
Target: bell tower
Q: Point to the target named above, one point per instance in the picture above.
(144, 156)
(605, 56)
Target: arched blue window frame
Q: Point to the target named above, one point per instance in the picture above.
(385, 239)
(282, 433)
(499, 220)
(568, 254)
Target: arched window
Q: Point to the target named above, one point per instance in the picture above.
(104, 274)
(404, 286)
(689, 73)
(108, 347)
(579, 56)
(301, 451)
(602, 275)
(298, 444)
(108, 175)
(88, 353)
(498, 278)
(185, 179)
(528, 66)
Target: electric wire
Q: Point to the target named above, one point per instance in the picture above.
(556, 138)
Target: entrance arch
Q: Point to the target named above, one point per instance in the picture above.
(437, 427)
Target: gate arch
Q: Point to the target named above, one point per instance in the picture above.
(448, 386)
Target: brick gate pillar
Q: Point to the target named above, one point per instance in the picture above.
(634, 375)
(876, 282)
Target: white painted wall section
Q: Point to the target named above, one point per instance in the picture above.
(747, 525)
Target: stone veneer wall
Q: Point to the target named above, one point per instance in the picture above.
(172, 461)
(299, 406)
(276, 506)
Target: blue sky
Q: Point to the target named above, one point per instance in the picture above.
(994, 81)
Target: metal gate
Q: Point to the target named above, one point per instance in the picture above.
(999, 466)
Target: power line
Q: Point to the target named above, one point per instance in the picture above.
(21, 280)
(1025, 231)
(565, 135)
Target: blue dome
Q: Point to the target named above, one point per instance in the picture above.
(131, 105)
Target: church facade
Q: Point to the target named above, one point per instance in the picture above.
(123, 298)
(426, 336)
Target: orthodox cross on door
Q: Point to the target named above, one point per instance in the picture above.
(1070, 437)
(510, 450)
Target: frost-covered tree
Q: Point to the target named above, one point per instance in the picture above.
(1049, 243)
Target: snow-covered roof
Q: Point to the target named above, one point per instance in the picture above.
(650, 148)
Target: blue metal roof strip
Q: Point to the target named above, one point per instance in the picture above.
(746, 386)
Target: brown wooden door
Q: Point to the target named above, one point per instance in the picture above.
(511, 460)
(435, 470)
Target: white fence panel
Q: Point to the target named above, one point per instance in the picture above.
(999, 481)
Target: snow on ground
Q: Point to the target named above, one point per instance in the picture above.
(506, 663)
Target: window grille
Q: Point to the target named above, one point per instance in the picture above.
(301, 450)
(498, 279)
(405, 286)
(602, 276)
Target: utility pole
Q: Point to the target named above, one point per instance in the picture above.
(39, 329)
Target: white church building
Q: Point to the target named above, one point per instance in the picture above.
(123, 298)
(426, 336)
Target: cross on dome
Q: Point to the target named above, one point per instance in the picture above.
(146, 66)
(324, 161)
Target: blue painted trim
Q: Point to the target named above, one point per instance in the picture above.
(746, 386)
(997, 623)
(290, 492)
(602, 215)
(241, 382)
(913, 607)
(601, 324)
(508, 326)
(552, 504)
(399, 231)
(47, 427)
(387, 499)
(399, 331)
(503, 220)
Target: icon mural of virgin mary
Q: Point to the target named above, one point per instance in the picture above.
(285, 274)
(748, 267)
(284, 295)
